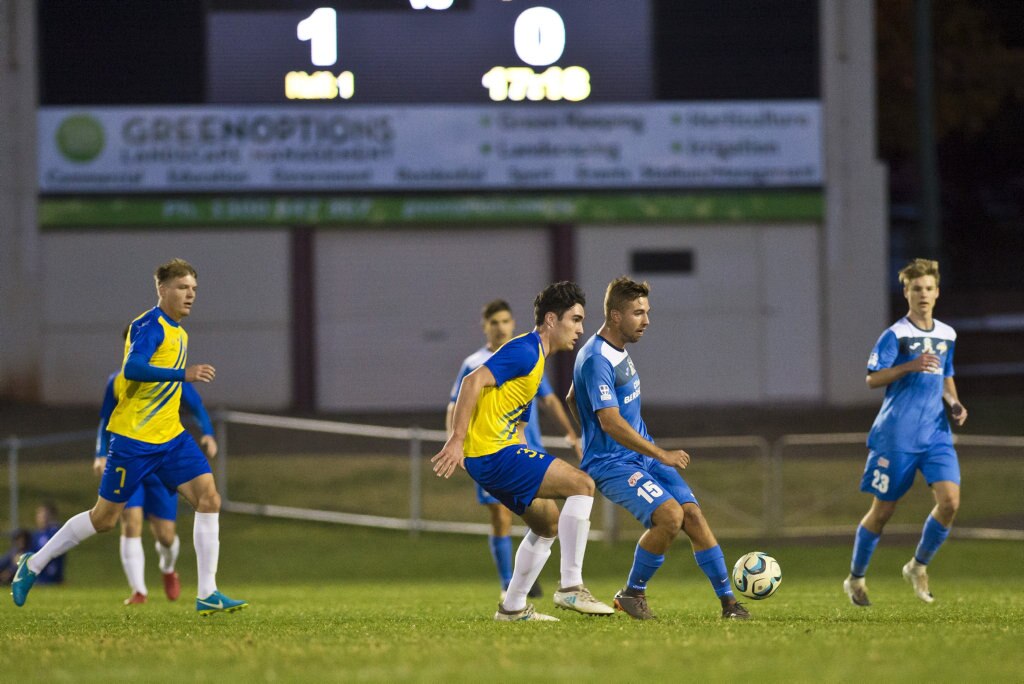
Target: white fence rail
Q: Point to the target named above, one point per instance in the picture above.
(770, 457)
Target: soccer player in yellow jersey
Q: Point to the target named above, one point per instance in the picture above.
(147, 437)
(488, 441)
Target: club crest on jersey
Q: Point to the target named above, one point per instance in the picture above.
(634, 478)
(632, 368)
(606, 392)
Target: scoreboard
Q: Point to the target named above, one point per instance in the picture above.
(436, 51)
(406, 96)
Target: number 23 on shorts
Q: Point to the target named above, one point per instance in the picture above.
(879, 481)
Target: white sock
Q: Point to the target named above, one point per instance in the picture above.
(74, 532)
(573, 528)
(531, 555)
(169, 555)
(133, 560)
(206, 539)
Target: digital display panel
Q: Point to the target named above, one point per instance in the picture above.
(470, 52)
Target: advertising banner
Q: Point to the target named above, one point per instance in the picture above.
(269, 148)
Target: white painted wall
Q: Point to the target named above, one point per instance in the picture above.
(95, 282)
(743, 327)
(398, 310)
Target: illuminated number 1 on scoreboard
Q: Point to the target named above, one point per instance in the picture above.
(321, 30)
(539, 37)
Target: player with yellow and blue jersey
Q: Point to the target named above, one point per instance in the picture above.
(913, 360)
(153, 500)
(498, 324)
(148, 438)
(492, 409)
(628, 467)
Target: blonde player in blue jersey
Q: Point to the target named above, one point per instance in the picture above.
(152, 501)
(498, 324)
(628, 467)
(913, 361)
(487, 440)
(147, 437)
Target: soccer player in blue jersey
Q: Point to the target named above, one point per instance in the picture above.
(913, 360)
(498, 325)
(628, 467)
(153, 500)
(487, 440)
(148, 437)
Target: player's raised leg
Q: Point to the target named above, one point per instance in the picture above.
(102, 518)
(577, 488)
(201, 492)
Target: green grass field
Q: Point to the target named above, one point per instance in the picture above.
(334, 603)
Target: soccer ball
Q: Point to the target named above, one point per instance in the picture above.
(757, 575)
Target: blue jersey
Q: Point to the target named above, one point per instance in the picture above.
(604, 377)
(912, 417)
(474, 361)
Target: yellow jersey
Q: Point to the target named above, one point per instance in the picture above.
(149, 387)
(518, 368)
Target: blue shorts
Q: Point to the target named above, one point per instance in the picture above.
(511, 475)
(130, 461)
(155, 499)
(484, 497)
(891, 475)
(641, 486)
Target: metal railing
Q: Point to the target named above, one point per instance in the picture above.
(770, 455)
(13, 445)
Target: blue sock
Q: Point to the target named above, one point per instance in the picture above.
(863, 548)
(712, 562)
(501, 551)
(645, 564)
(932, 537)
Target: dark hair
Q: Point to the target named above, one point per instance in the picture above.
(623, 290)
(491, 308)
(175, 268)
(558, 298)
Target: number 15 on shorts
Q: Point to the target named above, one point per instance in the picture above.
(649, 491)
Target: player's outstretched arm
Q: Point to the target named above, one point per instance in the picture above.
(622, 432)
(950, 395)
(451, 455)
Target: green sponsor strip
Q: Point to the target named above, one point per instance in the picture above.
(342, 211)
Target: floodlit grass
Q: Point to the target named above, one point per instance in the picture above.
(333, 603)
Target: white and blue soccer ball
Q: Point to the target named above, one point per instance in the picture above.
(757, 575)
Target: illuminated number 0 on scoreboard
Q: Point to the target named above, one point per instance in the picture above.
(539, 38)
